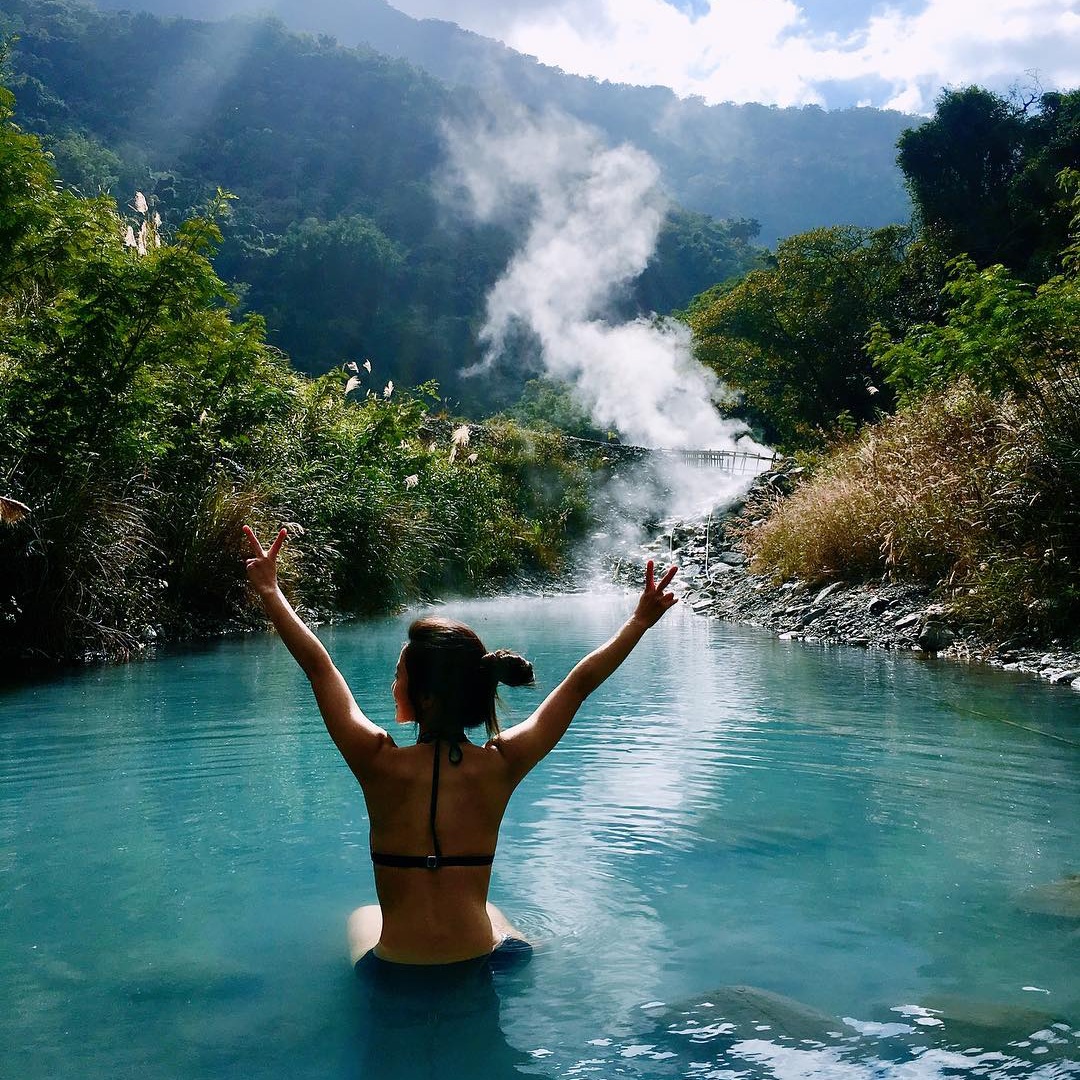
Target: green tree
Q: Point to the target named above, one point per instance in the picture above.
(1002, 334)
(982, 175)
(791, 339)
(547, 403)
(329, 290)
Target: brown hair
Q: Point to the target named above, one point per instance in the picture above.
(453, 678)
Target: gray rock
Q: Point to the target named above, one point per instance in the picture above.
(829, 590)
(733, 558)
(992, 1017)
(1068, 676)
(747, 1009)
(1013, 645)
(809, 616)
(936, 636)
(878, 605)
(908, 620)
(1057, 898)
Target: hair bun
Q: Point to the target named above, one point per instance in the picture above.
(507, 667)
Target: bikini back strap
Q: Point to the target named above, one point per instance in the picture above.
(435, 802)
(429, 862)
(433, 862)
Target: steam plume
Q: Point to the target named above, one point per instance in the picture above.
(592, 217)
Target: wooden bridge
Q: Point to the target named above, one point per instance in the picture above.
(731, 461)
(737, 462)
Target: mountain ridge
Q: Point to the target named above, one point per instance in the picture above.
(791, 169)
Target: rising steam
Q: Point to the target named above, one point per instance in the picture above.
(592, 214)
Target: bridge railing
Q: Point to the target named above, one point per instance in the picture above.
(732, 461)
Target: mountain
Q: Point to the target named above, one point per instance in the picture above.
(791, 169)
(338, 234)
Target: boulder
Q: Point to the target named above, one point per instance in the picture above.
(1057, 898)
(809, 616)
(1070, 675)
(744, 1011)
(829, 590)
(935, 636)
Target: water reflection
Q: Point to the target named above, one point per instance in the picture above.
(180, 845)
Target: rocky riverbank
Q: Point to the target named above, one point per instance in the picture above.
(715, 582)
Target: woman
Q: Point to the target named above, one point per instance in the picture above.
(436, 807)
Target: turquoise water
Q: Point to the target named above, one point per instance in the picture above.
(852, 835)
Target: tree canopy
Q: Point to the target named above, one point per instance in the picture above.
(983, 172)
(791, 338)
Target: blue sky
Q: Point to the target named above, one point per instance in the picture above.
(896, 54)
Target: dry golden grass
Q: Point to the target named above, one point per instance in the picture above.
(975, 497)
(907, 498)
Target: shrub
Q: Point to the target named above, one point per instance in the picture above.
(976, 497)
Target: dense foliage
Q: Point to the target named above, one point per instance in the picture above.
(791, 338)
(807, 340)
(973, 487)
(338, 236)
(142, 424)
(983, 173)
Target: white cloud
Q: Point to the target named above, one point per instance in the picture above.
(990, 42)
(770, 51)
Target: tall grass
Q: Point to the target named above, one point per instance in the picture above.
(974, 496)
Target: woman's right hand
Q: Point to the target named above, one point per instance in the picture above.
(262, 566)
(654, 601)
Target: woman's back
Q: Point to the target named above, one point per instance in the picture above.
(439, 914)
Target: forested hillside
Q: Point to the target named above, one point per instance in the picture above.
(790, 169)
(337, 233)
(931, 375)
(142, 424)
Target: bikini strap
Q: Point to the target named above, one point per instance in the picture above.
(454, 755)
(435, 800)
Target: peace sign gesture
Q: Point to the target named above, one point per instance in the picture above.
(262, 566)
(654, 601)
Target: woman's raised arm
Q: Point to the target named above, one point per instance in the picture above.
(527, 743)
(353, 733)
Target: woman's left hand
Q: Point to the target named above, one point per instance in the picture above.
(262, 566)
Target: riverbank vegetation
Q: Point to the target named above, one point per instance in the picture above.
(143, 423)
(931, 380)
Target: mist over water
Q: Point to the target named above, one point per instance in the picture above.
(592, 215)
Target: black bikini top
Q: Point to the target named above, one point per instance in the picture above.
(433, 862)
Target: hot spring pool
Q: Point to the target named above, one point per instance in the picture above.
(747, 858)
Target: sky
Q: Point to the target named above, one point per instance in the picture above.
(833, 53)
